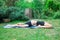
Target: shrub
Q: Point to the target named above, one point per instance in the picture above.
(57, 15)
(53, 6)
(9, 11)
(1, 14)
(16, 13)
(24, 18)
(47, 14)
(12, 13)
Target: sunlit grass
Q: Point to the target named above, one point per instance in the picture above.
(29, 1)
(31, 34)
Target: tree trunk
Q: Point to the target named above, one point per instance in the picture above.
(28, 12)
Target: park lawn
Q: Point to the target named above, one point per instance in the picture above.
(31, 34)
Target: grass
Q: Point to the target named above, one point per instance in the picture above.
(31, 34)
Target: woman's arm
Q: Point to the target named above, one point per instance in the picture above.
(46, 25)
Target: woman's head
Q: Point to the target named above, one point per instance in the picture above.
(33, 22)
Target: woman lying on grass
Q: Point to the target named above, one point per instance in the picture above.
(33, 24)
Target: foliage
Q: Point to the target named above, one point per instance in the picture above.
(53, 6)
(57, 15)
(43, 9)
(12, 13)
(37, 9)
(1, 15)
(50, 9)
(16, 14)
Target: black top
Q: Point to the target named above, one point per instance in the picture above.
(29, 23)
(38, 23)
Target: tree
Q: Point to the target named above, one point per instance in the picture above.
(10, 3)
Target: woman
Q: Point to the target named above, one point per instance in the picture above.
(35, 24)
(31, 24)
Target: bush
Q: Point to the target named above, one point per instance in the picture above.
(47, 14)
(24, 18)
(12, 13)
(16, 13)
(51, 14)
(18, 16)
(53, 6)
(2, 14)
(57, 15)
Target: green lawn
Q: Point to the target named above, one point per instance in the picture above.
(31, 34)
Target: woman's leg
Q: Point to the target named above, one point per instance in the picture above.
(22, 25)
